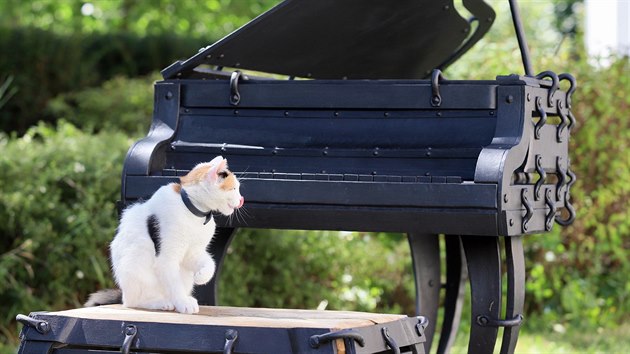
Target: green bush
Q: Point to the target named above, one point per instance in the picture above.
(118, 104)
(579, 275)
(57, 214)
(45, 64)
(302, 269)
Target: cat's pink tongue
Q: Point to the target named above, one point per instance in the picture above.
(241, 202)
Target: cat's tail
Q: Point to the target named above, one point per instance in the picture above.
(104, 297)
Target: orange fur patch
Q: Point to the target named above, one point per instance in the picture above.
(198, 174)
(229, 182)
(195, 176)
(176, 187)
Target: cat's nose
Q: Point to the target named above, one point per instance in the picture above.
(241, 202)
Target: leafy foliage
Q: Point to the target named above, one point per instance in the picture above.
(73, 62)
(207, 18)
(118, 104)
(57, 214)
(303, 269)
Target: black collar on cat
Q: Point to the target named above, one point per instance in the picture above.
(193, 209)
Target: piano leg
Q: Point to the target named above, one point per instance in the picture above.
(207, 294)
(484, 269)
(515, 260)
(456, 278)
(425, 254)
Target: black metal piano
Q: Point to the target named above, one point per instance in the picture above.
(358, 129)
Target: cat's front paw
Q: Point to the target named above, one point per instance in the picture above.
(186, 305)
(204, 274)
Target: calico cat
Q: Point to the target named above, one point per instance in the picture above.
(159, 251)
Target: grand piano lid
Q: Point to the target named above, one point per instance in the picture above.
(347, 39)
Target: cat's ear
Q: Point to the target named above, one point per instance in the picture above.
(213, 173)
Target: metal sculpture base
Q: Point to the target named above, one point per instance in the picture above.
(476, 259)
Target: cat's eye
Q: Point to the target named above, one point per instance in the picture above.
(222, 174)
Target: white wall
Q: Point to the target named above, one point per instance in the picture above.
(607, 27)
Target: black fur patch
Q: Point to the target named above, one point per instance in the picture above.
(154, 232)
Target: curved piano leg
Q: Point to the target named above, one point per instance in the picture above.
(425, 254)
(456, 278)
(207, 294)
(515, 260)
(484, 269)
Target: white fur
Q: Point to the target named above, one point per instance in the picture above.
(165, 282)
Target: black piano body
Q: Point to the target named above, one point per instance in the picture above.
(367, 155)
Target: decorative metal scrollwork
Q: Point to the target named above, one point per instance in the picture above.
(130, 332)
(316, 340)
(529, 210)
(572, 87)
(235, 95)
(436, 98)
(562, 177)
(552, 210)
(542, 177)
(571, 79)
(567, 199)
(231, 335)
(543, 118)
(555, 83)
(564, 122)
(390, 341)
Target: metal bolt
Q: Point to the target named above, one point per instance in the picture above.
(286, 113)
(509, 99)
(386, 114)
(439, 114)
(436, 100)
(230, 334)
(505, 198)
(336, 114)
(491, 113)
(187, 110)
(43, 327)
(446, 7)
(169, 95)
(511, 222)
(236, 112)
(529, 97)
(482, 320)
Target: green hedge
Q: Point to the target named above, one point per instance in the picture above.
(57, 214)
(44, 65)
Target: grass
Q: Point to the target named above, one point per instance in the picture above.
(569, 340)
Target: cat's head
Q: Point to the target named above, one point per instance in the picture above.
(214, 186)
